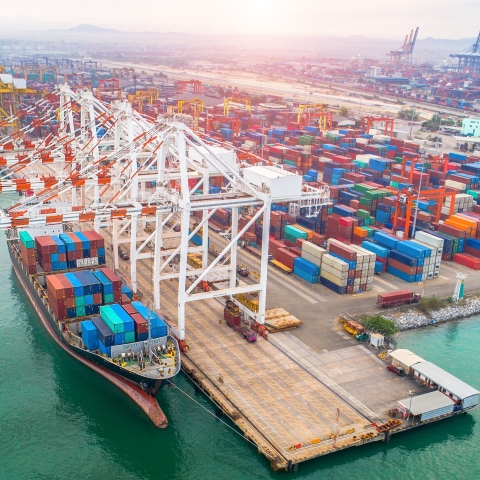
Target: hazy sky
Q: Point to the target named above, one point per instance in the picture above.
(374, 18)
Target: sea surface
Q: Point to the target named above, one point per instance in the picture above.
(60, 420)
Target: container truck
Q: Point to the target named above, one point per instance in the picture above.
(393, 299)
(231, 314)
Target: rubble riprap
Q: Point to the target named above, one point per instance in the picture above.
(416, 319)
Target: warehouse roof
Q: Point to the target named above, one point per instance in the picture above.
(446, 380)
(406, 357)
(426, 403)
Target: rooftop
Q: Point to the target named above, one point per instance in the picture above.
(406, 357)
(446, 380)
(426, 402)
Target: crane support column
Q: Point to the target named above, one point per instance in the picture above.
(233, 252)
(264, 262)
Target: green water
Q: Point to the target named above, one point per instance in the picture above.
(59, 420)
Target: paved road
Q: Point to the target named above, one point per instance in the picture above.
(318, 307)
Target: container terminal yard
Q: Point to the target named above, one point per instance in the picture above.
(213, 217)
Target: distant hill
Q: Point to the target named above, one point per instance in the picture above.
(86, 28)
(359, 46)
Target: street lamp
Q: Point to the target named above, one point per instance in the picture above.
(410, 392)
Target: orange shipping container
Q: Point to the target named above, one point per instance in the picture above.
(360, 232)
(306, 230)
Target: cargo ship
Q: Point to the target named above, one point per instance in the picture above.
(92, 314)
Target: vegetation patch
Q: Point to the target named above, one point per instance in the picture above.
(381, 325)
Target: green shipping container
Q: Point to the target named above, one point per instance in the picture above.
(80, 311)
(80, 301)
(129, 337)
(362, 214)
(108, 298)
(295, 232)
(26, 239)
(113, 321)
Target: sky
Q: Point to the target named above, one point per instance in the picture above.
(447, 19)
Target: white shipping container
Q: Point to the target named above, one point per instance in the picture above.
(429, 239)
(356, 281)
(313, 249)
(335, 272)
(310, 258)
(333, 279)
(455, 185)
(334, 262)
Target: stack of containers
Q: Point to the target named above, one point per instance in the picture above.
(286, 257)
(471, 257)
(116, 283)
(87, 293)
(313, 253)
(106, 286)
(114, 323)
(140, 324)
(27, 249)
(381, 255)
(334, 273)
(401, 260)
(292, 234)
(437, 244)
(106, 338)
(158, 328)
(128, 323)
(306, 270)
(61, 298)
(364, 270)
(89, 334)
(430, 259)
(50, 253)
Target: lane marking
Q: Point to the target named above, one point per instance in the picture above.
(391, 285)
(379, 289)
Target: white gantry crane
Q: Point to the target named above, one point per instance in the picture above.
(102, 165)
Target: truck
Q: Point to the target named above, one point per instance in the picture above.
(400, 297)
(242, 270)
(231, 315)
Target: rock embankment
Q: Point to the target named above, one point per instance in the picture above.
(416, 319)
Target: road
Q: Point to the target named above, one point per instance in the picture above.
(318, 307)
(309, 91)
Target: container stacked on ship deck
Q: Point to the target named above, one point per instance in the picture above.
(27, 249)
(120, 325)
(82, 293)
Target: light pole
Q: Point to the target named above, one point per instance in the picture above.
(410, 392)
(411, 122)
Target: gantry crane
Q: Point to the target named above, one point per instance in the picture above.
(11, 89)
(228, 101)
(109, 89)
(104, 179)
(232, 121)
(195, 84)
(437, 162)
(407, 198)
(310, 106)
(143, 95)
(389, 122)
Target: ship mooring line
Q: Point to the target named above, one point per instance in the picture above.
(211, 413)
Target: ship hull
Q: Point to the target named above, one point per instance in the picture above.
(140, 389)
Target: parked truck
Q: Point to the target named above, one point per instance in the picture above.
(400, 297)
(231, 314)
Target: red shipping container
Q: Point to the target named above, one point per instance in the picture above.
(76, 241)
(467, 261)
(125, 300)
(130, 309)
(116, 282)
(402, 267)
(342, 251)
(286, 257)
